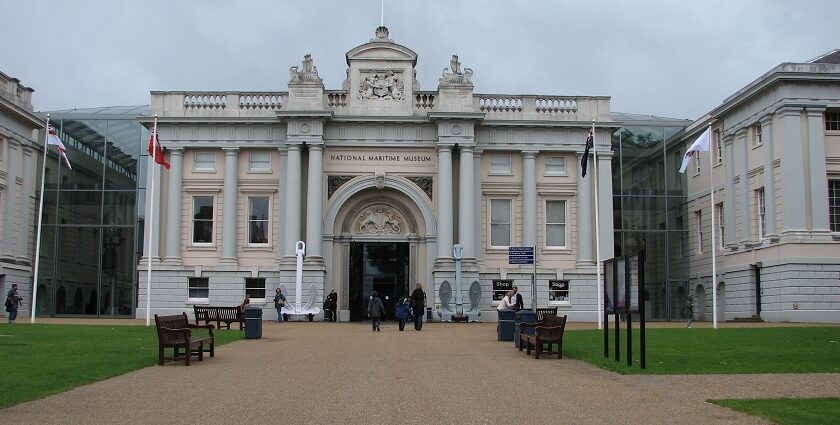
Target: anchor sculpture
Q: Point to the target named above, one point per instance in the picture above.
(295, 311)
(446, 313)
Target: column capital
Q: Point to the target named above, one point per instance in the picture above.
(315, 146)
(229, 151)
(28, 150)
(815, 110)
(766, 119)
(789, 110)
(530, 153)
(444, 147)
(466, 148)
(294, 146)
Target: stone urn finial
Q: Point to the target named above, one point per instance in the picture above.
(382, 32)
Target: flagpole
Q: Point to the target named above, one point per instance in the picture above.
(151, 226)
(597, 231)
(714, 247)
(40, 224)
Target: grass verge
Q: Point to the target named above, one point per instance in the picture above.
(40, 360)
(789, 411)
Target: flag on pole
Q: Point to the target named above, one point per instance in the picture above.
(585, 158)
(701, 144)
(156, 150)
(53, 139)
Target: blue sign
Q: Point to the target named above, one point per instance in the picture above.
(521, 255)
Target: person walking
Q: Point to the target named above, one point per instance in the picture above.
(279, 303)
(688, 310)
(418, 303)
(13, 303)
(375, 310)
(403, 311)
(332, 304)
(516, 299)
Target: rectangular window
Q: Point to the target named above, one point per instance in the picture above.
(258, 229)
(717, 143)
(720, 223)
(500, 288)
(759, 201)
(555, 166)
(259, 162)
(555, 223)
(834, 205)
(832, 121)
(203, 220)
(558, 291)
(681, 245)
(500, 164)
(199, 288)
(204, 161)
(255, 287)
(698, 219)
(756, 133)
(500, 220)
(696, 160)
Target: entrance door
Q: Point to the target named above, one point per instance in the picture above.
(381, 267)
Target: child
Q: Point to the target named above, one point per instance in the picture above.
(375, 310)
(404, 311)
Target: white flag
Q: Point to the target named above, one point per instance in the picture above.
(53, 139)
(701, 144)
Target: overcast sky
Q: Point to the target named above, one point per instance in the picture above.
(669, 58)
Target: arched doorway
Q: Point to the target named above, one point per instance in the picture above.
(721, 301)
(700, 303)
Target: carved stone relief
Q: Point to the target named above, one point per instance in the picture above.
(381, 85)
(379, 220)
(423, 182)
(351, 223)
(454, 76)
(335, 182)
(309, 74)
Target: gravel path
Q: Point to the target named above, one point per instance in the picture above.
(315, 373)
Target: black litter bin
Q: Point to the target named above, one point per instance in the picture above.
(522, 316)
(253, 323)
(505, 326)
(327, 314)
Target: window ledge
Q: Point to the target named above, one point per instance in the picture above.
(198, 301)
(202, 248)
(258, 248)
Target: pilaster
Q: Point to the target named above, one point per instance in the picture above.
(466, 202)
(315, 202)
(769, 180)
(817, 170)
(585, 233)
(529, 198)
(729, 207)
(25, 210)
(793, 171)
(293, 199)
(173, 207)
(444, 201)
(744, 193)
(230, 206)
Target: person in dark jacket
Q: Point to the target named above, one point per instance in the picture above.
(375, 310)
(418, 303)
(332, 304)
(403, 311)
(516, 299)
(13, 303)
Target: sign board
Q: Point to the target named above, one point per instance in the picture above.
(521, 255)
(500, 287)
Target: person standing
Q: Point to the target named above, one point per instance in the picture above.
(504, 303)
(332, 304)
(418, 302)
(516, 299)
(279, 303)
(688, 310)
(375, 310)
(13, 303)
(403, 311)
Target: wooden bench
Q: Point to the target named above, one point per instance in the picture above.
(175, 332)
(546, 334)
(545, 311)
(226, 315)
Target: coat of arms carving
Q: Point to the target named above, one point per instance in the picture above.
(379, 220)
(381, 85)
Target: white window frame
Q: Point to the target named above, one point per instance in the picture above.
(266, 220)
(254, 162)
(191, 287)
(501, 165)
(553, 294)
(564, 224)
(834, 205)
(720, 224)
(718, 146)
(193, 221)
(760, 213)
(201, 159)
(698, 218)
(832, 121)
(756, 135)
(255, 284)
(491, 222)
(555, 166)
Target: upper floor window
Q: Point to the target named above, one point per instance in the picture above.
(555, 166)
(555, 223)
(718, 146)
(759, 200)
(698, 223)
(500, 164)
(202, 219)
(259, 162)
(199, 287)
(500, 222)
(255, 287)
(204, 161)
(258, 229)
(720, 223)
(834, 204)
(756, 135)
(832, 121)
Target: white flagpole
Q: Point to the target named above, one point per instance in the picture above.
(151, 225)
(40, 223)
(382, 15)
(597, 231)
(714, 247)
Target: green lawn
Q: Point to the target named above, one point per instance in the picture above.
(789, 411)
(707, 351)
(39, 360)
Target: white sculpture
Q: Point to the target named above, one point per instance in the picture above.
(295, 310)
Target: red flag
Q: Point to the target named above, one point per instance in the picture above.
(53, 139)
(154, 143)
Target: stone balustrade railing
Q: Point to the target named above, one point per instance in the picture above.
(336, 99)
(552, 108)
(424, 100)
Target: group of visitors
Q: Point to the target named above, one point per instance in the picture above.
(512, 301)
(407, 308)
(330, 304)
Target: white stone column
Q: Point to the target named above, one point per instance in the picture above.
(729, 207)
(585, 232)
(10, 225)
(25, 209)
(478, 223)
(173, 205)
(769, 180)
(529, 198)
(230, 196)
(293, 200)
(743, 168)
(817, 168)
(153, 176)
(793, 170)
(315, 201)
(280, 206)
(444, 202)
(466, 202)
(605, 206)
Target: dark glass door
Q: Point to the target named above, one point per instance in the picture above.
(380, 267)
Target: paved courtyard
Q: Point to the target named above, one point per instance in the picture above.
(317, 373)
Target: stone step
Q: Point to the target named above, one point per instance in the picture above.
(751, 319)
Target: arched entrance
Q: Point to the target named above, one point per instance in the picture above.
(700, 303)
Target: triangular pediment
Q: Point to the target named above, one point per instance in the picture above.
(382, 48)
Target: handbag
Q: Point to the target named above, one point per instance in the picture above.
(8, 302)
